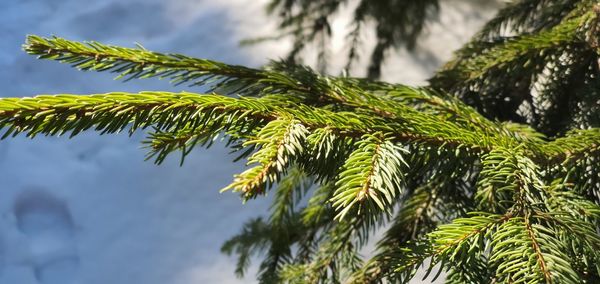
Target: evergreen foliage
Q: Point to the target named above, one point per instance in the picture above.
(397, 23)
(489, 174)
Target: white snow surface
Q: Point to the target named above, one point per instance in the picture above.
(89, 209)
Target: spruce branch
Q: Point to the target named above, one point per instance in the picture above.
(279, 141)
(273, 238)
(565, 201)
(455, 242)
(290, 191)
(254, 238)
(451, 243)
(508, 180)
(526, 16)
(112, 112)
(280, 78)
(317, 210)
(528, 252)
(133, 63)
(513, 51)
(453, 177)
(398, 239)
(372, 173)
(332, 254)
(574, 146)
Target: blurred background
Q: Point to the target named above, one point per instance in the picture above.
(89, 209)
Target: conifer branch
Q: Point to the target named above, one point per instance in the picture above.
(462, 181)
(525, 16)
(232, 79)
(520, 253)
(330, 255)
(411, 222)
(538, 252)
(508, 179)
(290, 191)
(133, 63)
(450, 243)
(318, 208)
(372, 173)
(254, 238)
(574, 146)
(59, 114)
(280, 141)
(514, 50)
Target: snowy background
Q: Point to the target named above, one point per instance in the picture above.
(89, 209)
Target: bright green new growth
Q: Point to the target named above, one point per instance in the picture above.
(449, 178)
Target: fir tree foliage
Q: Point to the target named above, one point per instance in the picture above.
(489, 175)
(397, 23)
